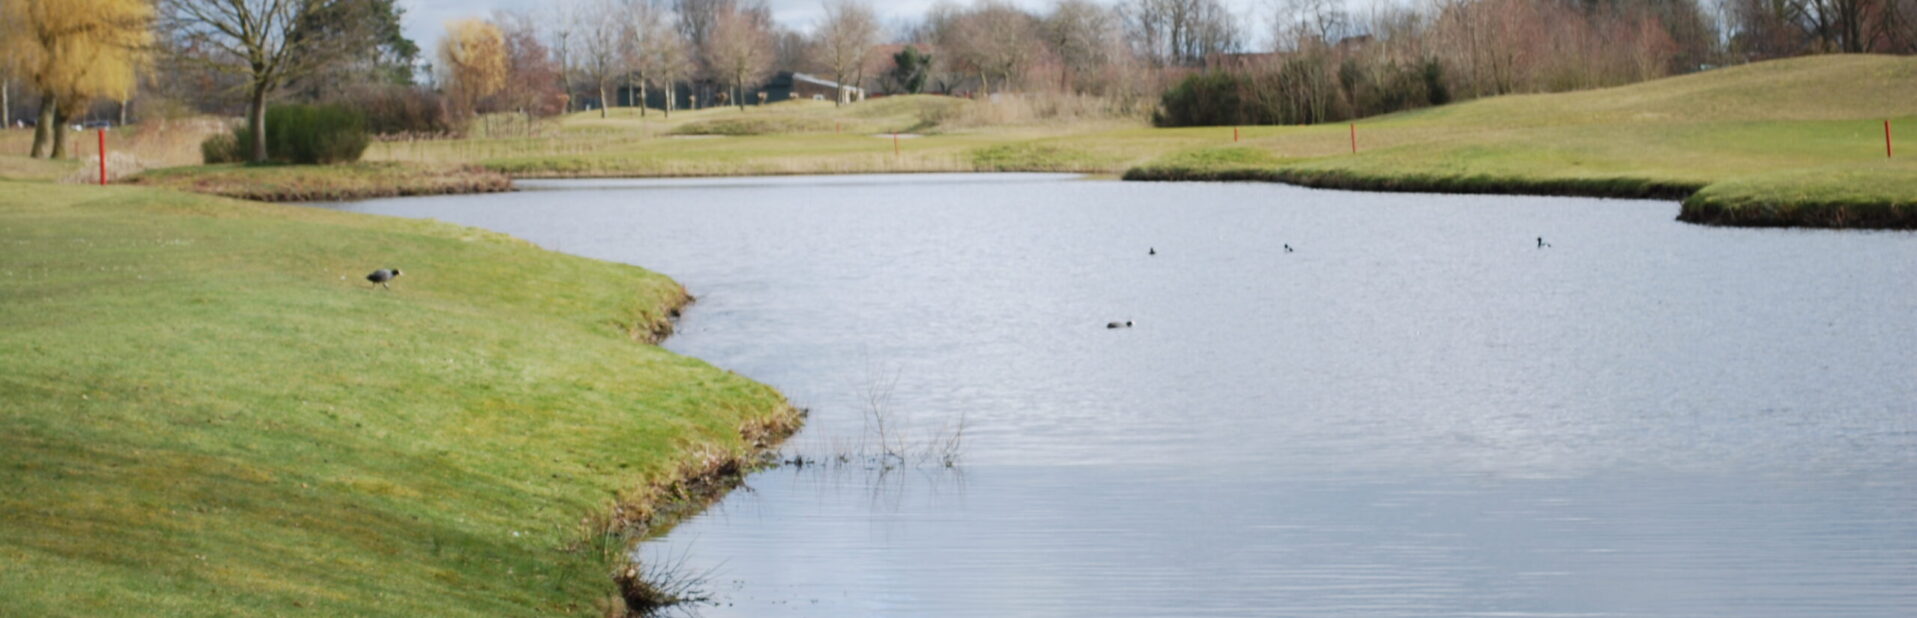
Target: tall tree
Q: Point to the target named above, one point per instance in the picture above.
(72, 51)
(1080, 34)
(843, 39)
(268, 43)
(739, 51)
(532, 74)
(993, 39)
(387, 57)
(657, 51)
(1180, 32)
(473, 58)
(601, 40)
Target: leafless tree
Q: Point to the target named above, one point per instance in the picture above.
(739, 51)
(843, 39)
(1082, 35)
(561, 22)
(1180, 32)
(263, 41)
(601, 39)
(657, 51)
(994, 40)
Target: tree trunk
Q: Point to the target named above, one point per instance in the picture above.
(602, 100)
(672, 98)
(42, 136)
(59, 134)
(256, 123)
(123, 103)
(642, 98)
(738, 93)
(6, 104)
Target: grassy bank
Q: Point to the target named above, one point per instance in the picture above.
(1756, 125)
(204, 410)
(312, 183)
(1744, 136)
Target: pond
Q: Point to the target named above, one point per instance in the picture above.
(1414, 411)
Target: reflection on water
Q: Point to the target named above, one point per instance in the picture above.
(1418, 412)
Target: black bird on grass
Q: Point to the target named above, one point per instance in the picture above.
(382, 276)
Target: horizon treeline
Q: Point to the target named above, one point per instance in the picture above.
(1182, 61)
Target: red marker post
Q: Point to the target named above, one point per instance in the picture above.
(1234, 135)
(1886, 139)
(102, 157)
(1354, 138)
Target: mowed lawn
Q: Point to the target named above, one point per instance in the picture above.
(206, 411)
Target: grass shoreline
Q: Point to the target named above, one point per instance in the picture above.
(210, 413)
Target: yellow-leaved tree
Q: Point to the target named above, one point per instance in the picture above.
(73, 51)
(473, 55)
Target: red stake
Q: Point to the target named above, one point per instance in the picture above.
(1234, 135)
(103, 157)
(1354, 138)
(895, 143)
(1886, 139)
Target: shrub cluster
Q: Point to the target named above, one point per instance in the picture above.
(307, 134)
(404, 110)
(1301, 90)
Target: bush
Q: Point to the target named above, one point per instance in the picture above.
(1302, 89)
(404, 110)
(307, 134)
(222, 148)
(315, 134)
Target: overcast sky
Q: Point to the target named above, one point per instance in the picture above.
(426, 19)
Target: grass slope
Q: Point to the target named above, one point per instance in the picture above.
(1759, 126)
(205, 411)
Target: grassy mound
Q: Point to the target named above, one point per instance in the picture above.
(1664, 138)
(204, 410)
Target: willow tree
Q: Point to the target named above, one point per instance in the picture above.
(473, 56)
(266, 42)
(73, 51)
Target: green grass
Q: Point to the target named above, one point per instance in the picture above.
(205, 411)
(307, 183)
(1843, 197)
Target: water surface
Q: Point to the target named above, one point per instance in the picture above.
(1418, 412)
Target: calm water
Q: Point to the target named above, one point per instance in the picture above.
(1417, 413)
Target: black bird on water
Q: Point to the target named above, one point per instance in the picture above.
(1151, 251)
(1124, 324)
(1287, 248)
(382, 276)
(1541, 243)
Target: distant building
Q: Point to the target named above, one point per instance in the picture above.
(784, 86)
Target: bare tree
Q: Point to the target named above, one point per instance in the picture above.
(561, 19)
(842, 41)
(1180, 32)
(993, 39)
(1081, 34)
(261, 40)
(652, 46)
(601, 39)
(739, 50)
